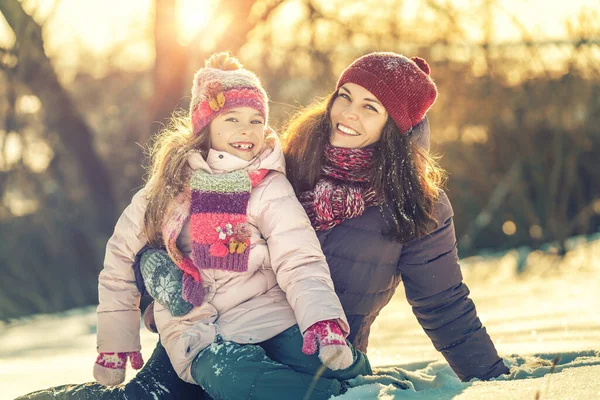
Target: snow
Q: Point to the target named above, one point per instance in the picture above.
(550, 310)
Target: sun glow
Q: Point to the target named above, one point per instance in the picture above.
(193, 16)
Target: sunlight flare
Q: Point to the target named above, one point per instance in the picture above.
(193, 15)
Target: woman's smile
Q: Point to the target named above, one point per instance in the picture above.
(347, 131)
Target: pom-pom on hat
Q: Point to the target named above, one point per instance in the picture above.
(401, 84)
(221, 85)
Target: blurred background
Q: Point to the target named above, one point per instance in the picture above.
(84, 85)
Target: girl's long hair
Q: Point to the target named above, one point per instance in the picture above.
(169, 171)
(406, 174)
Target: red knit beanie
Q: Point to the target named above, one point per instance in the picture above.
(401, 84)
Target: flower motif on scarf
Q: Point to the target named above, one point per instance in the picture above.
(220, 249)
(225, 231)
(242, 232)
(214, 93)
(241, 239)
(233, 240)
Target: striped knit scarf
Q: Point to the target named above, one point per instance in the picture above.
(216, 205)
(343, 190)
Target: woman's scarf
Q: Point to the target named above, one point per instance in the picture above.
(343, 190)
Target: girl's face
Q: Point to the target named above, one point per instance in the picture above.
(357, 117)
(239, 131)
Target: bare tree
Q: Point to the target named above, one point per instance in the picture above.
(35, 70)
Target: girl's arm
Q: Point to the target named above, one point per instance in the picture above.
(119, 299)
(440, 300)
(296, 256)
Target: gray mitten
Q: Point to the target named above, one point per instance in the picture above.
(163, 278)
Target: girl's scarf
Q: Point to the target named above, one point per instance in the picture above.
(343, 190)
(217, 206)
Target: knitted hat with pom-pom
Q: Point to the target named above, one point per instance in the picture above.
(221, 85)
(401, 84)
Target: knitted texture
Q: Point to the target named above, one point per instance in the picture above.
(109, 368)
(401, 84)
(216, 205)
(221, 85)
(327, 336)
(343, 190)
(178, 213)
(164, 281)
(218, 228)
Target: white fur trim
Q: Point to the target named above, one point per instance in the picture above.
(108, 376)
(336, 356)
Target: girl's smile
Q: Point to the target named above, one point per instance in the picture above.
(243, 145)
(239, 132)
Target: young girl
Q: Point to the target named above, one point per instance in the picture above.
(244, 265)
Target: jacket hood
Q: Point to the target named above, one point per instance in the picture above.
(421, 134)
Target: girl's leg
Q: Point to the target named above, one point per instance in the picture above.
(157, 380)
(286, 348)
(231, 371)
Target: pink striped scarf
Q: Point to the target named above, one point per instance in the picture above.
(206, 218)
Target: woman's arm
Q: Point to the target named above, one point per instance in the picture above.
(440, 300)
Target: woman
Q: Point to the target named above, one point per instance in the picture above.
(359, 164)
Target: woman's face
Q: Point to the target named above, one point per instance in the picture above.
(357, 117)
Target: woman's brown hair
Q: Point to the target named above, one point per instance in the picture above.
(406, 174)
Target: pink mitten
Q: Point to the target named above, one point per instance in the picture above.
(109, 369)
(329, 338)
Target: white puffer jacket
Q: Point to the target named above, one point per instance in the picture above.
(287, 280)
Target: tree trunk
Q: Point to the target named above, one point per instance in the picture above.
(170, 65)
(35, 70)
(171, 81)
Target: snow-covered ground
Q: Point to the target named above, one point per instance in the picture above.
(550, 310)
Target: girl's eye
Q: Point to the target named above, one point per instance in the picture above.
(257, 121)
(370, 107)
(231, 119)
(344, 95)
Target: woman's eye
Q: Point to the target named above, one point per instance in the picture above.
(231, 119)
(345, 96)
(257, 121)
(370, 107)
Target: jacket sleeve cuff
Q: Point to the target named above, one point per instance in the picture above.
(122, 331)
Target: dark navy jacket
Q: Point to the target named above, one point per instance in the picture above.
(367, 267)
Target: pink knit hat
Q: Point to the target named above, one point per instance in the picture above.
(401, 84)
(221, 85)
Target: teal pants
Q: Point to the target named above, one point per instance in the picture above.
(274, 369)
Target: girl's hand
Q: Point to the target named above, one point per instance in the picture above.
(328, 337)
(109, 369)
